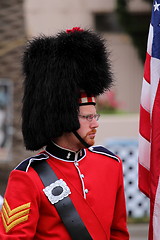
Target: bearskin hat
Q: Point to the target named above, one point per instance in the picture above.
(55, 69)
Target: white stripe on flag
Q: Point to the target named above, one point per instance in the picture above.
(145, 99)
(150, 40)
(155, 75)
(144, 152)
(156, 215)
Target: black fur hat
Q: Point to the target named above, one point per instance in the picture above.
(55, 69)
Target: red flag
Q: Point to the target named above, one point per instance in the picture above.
(149, 127)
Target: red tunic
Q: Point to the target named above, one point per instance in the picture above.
(94, 178)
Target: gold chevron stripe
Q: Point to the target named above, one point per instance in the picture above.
(15, 210)
(13, 217)
(13, 224)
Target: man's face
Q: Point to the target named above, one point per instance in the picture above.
(87, 129)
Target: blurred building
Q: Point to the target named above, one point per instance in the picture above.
(22, 19)
(12, 38)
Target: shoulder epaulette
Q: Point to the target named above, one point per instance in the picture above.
(104, 151)
(23, 166)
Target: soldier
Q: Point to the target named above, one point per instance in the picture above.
(71, 189)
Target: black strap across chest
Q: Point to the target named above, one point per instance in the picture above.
(65, 207)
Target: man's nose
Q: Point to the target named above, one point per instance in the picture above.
(94, 123)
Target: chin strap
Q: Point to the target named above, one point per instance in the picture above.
(86, 145)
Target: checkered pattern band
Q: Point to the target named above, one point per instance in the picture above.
(86, 100)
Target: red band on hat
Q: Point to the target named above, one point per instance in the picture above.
(74, 29)
(86, 99)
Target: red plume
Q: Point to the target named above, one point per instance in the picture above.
(74, 29)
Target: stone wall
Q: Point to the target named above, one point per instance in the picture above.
(12, 39)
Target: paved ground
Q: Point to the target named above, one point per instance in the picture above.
(138, 231)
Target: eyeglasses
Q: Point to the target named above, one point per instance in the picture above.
(90, 117)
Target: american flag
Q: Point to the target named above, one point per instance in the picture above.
(149, 127)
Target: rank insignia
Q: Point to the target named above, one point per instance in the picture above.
(57, 191)
(13, 217)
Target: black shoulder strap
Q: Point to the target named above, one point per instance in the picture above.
(65, 207)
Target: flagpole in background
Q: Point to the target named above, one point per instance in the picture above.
(149, 125)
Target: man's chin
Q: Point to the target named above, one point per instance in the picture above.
(90, 142)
